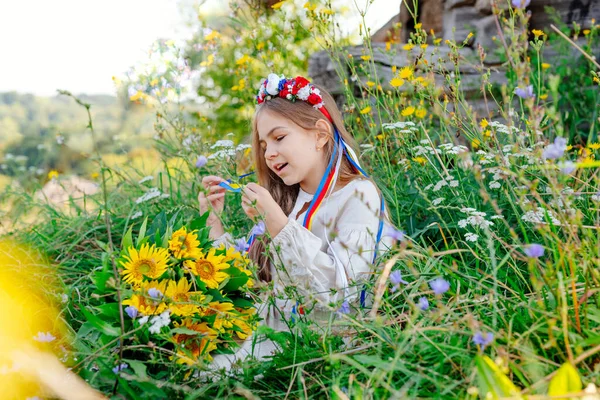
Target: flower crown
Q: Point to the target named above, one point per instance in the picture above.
(292, 89)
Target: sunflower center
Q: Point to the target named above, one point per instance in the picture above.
(181, 298)
(146, 266)
(205, 269)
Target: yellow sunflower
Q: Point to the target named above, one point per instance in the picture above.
(149, 261)
(149, 303)
(246, 322)
(184, 244)
(231, 254)
(184, 302)
(224, 314)
(196, 346)
(209, 268)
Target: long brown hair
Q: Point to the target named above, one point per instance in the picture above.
(305, 116)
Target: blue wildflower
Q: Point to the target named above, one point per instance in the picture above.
(483, 340)
(131, 311)
(534, 250)
(396, 278)
(258, 229)
(556, 149)
(525, 93)
(240, 245)
(345, 308)
(439, 286)
(568, 167)
(201, 161)
(120, 368)
(423, 303)
(520, 3)
(394, 233)
(155, 293)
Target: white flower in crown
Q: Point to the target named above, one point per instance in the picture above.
(273, 84)
(304, 93)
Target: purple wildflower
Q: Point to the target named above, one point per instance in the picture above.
(120, 368)
(394, 233)
(345, 308)
(131, 311)
(525, 93)
(155, 293)
(201, 161)
(520, 3)
(556, 149)
(44, 337)
(423, 303)
(568, 167)
(258, 229)
(483, 340)
(396, 278)
(240, 245)
(534, 250)
(439, 285)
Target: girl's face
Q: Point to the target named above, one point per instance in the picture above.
(291, 151)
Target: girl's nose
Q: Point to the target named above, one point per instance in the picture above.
(270, 152)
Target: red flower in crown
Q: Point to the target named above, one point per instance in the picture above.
(298, 88)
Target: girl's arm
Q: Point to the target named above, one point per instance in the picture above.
(347, 259)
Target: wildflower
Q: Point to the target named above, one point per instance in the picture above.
(555, 150)
(258, 229)
(44, 337)
(471, 237)
(365, 58)
(148, 305)
(137, 215)
(405, 73)
(408, 111)
(439, 286)
(394, 233)
(596, 197)
(184, 244)
(567, 167)
(159, 321)
(131, 311)
(421, 113)
(397, 82)
(155, 293)
(60, 139)
(483, 340)
(437, 201)
(545, 65)
(396, 278)
(408, 46)
(534, 250)
(120, 368)
(484, 123)
(525, 93)
(209, 267)
(52, 174)
(366, 110)
(152, 193)
(240, 245)
(143, 320)
(345, 308)
(149, 261)
(520, 3)
(201, 161)
(537, 33)
(423, 303)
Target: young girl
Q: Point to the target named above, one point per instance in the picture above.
(323, 214)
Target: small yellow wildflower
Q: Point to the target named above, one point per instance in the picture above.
(350, 56)
(397, 82)
(394, 68)
(545, 65)
(366, 110)
(365, 58)
(388, 46)
(243, 60)
(586, 32)
(475, 143)
(537, 33)
(327, 11)
(469, 36)
(544, 96)
(379, 87)
(418, 26)
(487, 133)
(379, 137)
(484, 123)
(370, 84)
(437, 41)
(408, 46)
(213, 35)
(309, 6)
(247, 152)
(277, 5)
(594, 146)
(138, 95)
(154, 82)
(94, 175)
(420, 160)
(421, 113)
(408, 111)
(209, 60)
(405, 73)
(424, 46)
(53, 174)
(260, 46)
(596, 79)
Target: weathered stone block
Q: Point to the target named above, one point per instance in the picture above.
(486, 29)
(485, 6)
(450, 4)
(580, 11)
(459, 22)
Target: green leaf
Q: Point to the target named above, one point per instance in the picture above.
(492, 380)
(185, 331)
(110, 310)
(100, 279)
(138, 367)
(243, 303)
(99, 324)
(127, 241)
(199, 222)
(142, 233)
(565, 381)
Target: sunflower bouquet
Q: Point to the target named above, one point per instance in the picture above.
(184, 295)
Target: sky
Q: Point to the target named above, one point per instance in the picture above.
(79, 45)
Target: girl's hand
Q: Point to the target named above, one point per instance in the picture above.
(214, 199)
(257, 201)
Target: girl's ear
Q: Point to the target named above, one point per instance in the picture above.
(323, 133)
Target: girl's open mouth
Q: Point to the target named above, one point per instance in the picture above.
(280, 168)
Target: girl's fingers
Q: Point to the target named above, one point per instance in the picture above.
(211, 180)
(216, 189)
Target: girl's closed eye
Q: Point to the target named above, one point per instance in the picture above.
(280, 138)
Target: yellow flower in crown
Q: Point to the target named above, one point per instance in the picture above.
(192, 347)
(182, 301)
(184, 244)
(209, 268)
(149, 261)
(149, 299)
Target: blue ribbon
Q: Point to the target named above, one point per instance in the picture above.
(230, 188)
